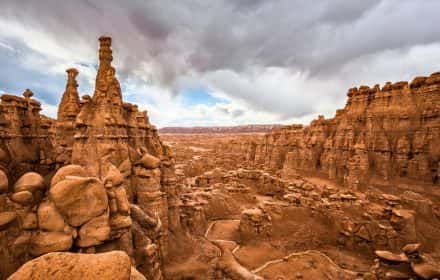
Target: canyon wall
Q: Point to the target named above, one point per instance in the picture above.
(24, 135)
(382, 133)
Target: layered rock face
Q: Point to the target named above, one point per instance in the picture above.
(97, 179)
(24, 135)
(383, 134)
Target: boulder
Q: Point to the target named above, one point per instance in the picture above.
(6, 218)
(403, 221)
(79, 199)
(389, 256)
(29, 221)
(412, 248)
(120, 222)
(23, 197)
(21, 244)
(421, 204)
(68, 170)
(426, 268)
(30, 181)
(149, 162)
(60, 266)
(4, 182)
(114, 177)
(46, 242)
(136, 275)
(94, 232)
(49, 218)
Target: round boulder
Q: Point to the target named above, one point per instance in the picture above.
(46, 242)
(30, 181)
(149, 162)
(79, 199)
(60, 266)
(68, 170)
(49, 218)
(23, 197)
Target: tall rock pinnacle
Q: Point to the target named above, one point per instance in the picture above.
(107, 96)
(69, 106)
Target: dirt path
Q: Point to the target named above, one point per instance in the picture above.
(287, 257)
(225, 232)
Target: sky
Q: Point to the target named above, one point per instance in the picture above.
(219, 62)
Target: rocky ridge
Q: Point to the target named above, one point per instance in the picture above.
(382, 134)
(252, 128)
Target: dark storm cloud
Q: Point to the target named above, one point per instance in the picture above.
(211, 35)
(168, 39)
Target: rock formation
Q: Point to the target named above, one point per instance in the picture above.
(261, 201)
(24, 135)
(382, 135)
(113, 265)
(68, 109)
(97, 179)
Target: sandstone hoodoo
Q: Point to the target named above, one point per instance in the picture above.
(68, 184)
(97, 194)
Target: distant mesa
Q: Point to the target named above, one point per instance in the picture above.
(253, 128)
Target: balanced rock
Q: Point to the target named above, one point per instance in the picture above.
(30, 181)
(60, 266)
(412, 248)
(68, 170)
(46, 242)
(79, 199)
(149, 162)
(23, 197)
(389, 256)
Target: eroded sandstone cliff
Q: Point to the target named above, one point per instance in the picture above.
(97, 179)
(381, 134)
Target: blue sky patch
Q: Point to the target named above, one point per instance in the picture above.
(197, 96)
